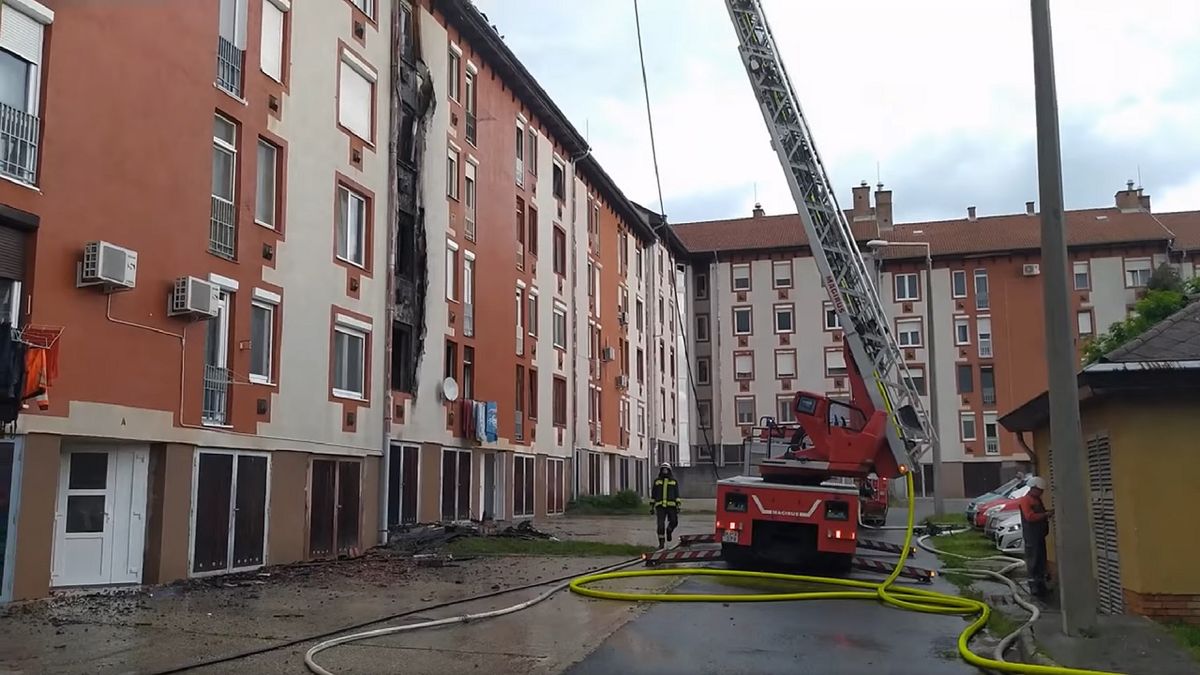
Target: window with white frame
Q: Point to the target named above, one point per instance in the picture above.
(743, 323)
(962, 330)
(522, 486)
(832, 320)
(1138, 272)
(835, 363)
(1083, 320)
(743, 407)
(743, 366)
(785, 364)
(452, 162)
(907, 287)
(271, 48)
(916, 377)
(785, 412)
(21, 46)
(703, 370)
(532, 316)
(349, 361)
(451, 270)
(519, 170)
(356, 97)
(469, 195)
(701, 286)
(958, 283)
(908, 332)
(741, 277)
(981, 289)
(966, 426)
(991, 434)
(1083, 275)
(531, 148)
(704, 414)
(781, 274)
(366, 6)
(560, 327)
(222, 235)
(267, 186)
(983, 329)
(701, 328)
(785, 320)
(453, 71)
(352, 227)
(262, 340)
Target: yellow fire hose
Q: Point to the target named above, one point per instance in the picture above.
(904, 597)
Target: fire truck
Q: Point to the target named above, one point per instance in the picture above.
(803, 507)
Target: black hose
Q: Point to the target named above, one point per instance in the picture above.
(362, 624)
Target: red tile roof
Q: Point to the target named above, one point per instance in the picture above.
(1186, 226)
(755, 233)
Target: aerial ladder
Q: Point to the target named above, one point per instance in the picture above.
(803, 507)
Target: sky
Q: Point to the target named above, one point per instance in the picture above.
(934, 98)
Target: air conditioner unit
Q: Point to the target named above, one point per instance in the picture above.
(107, 265)
(194, 297)
(622, 382)
(1031, 270)
(609, 353)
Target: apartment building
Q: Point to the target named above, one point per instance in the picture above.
(211, 401)
(764, 328)
(518, 333)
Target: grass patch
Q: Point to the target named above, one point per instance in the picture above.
(971, 544)
(1000, 624)
(947, 519)
(512, 546)
(1188, 636)
(624, 503)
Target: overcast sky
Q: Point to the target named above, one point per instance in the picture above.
(938, 94)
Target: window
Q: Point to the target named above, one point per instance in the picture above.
(271, 50)
(560, 328)
(533, 229)
(987, 385)
(403, 360)
(966, 426)
(349, 354)
(701, 286)
(21, 46)
(264, 198)
(231, 43)
(519, 301)
(356, 97)
(743, 407)
(222, 233)
(835, 363)
(556, 484)
(560, 182)
(832, 320)
(469, 195)
(781, 274)
(456, 485)
(452, 173)
(965, 377)
(785, 364)
(451, 270)
(1084, 320)
(958, 283)
(531, 317)
(641, 314)
(468, 280)
(1138, 272)
(560, 401)
(701, 328)
(533, 394)
(981, 289)
(743, 366)
(743, 322)
(519, 171)
(704, 414)
(352, 227)
(366, 6)
(907, 288)
(450, 364)
(785, 412)
(1083, 275)
(560, 251)
(467, 388)
(991, 434)
(641, 365)
(453, 72)
(469, 105)
(531, 159)
(703, 370)
(741, 277)
(983, 328)
(916, 376)
(962, 330)
(908, 332)
(522, 486)
(785, 319)
(262, 337)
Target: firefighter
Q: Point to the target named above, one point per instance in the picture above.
(1035, 525)
(664, 502)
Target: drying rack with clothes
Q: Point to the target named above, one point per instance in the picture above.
(28, 368)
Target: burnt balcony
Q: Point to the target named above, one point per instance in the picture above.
(230, 66)
(19, 133)
(215, 408)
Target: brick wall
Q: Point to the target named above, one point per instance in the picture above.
(1163, 606)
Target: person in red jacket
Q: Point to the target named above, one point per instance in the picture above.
(1035, 525)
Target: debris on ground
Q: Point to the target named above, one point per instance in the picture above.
(423, 542)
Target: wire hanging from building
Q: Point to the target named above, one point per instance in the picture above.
(662, 207)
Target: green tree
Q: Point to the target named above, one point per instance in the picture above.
(1155, 306)
(1166, 278)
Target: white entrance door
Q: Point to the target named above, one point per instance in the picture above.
(100, 521)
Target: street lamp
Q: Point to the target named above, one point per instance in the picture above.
(939, 493)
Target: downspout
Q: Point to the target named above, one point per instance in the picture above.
(575, 322)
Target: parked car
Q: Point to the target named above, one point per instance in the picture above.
(998, 509)
(998, 493)
(1008, 535)
(999, 522)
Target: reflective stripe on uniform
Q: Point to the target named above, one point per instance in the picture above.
(660, 496)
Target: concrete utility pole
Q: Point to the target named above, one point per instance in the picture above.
(1073, 535)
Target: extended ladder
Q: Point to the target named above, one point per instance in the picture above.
(844, 273)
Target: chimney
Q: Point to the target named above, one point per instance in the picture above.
(758, 210)
(1131, 199)
(1029, 209)
(883, 207)
(970, 213)
(862, 203)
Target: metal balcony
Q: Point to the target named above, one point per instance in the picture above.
(216, 395)
(472, 128)
(519, 426)
(230, 62)
(469, 228)
(19, 133)
(469, 320)
(991, 446)
(222, 234)
(989, 396)
(981, 300)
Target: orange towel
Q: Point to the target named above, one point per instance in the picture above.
(36, 377)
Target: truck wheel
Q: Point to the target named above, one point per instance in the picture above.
(840, 563)
(736, 557)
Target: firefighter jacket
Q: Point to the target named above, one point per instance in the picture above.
(665, 492)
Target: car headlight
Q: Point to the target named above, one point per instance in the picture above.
(1012, 528)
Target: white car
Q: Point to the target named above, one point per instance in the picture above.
(1008, 534)
(1001, 511)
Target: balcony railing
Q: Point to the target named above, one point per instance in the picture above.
(18, 144)
(991, 446)
(981, 299)
(472, 124)
(520, 340)
(989, 396)
(469, 320)
(229, 67)
(222, 235)
(216, 395)
(519, 428)
(985, 348)
(470, 226)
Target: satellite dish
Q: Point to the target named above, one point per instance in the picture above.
(449, 389)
